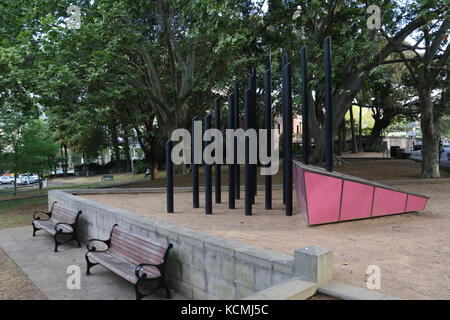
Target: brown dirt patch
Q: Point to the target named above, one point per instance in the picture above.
(411, 249)
(377, 170)
(14, 284)
(383, 170)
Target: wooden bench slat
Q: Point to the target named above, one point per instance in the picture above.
(122, 267)
(126, 251)
(143, 251)
(156, 251)
(131, 256)
(146, 240)
(68, 219)
(140, 251)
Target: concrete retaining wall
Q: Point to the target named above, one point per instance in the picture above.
(200, 266)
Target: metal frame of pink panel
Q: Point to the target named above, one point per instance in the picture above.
(326, 197)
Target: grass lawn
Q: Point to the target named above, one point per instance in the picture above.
(18, 213)
(118, 177)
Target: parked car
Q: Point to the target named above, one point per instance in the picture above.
(6, 180)
(23, 179)
(32, 179)
(417, 146)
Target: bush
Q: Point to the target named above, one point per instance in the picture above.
(140, 166)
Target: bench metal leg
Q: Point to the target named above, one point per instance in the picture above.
(57, 243)
(89, 264)
(139, 295)
(35, 229)
(166, 287)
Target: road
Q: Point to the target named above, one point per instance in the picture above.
(5, 187)
(417, 155)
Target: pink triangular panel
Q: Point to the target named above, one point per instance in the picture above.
(416, 203)
(388, 202)
(356, 200)
(300, 190)
(323, 195)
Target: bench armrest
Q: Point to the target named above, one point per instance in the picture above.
(40, 212)
(139, 267)
(90, 245)
(62, 223)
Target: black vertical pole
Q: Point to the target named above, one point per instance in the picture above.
(305, 109)
(288, 138)
(250, 126)
(328, 107)
(248, 192)
(169, 176)
(268, 127)
(237, 169)
(232, 165)
(208, 176)
(283, 142)
(195, 183)
(255, 127)
(217, 171)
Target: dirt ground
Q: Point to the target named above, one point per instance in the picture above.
(377, 170)
(412, 250)
(14, 284)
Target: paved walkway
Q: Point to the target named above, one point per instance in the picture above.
(48, 270)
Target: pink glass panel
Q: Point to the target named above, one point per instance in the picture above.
(415, 203)
(300, 190)
(388, 202)
(323, 195)
(356, 200)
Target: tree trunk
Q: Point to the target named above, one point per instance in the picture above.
(429, 123)
(152, 158)
(339, 149)
(360, 147)
(115, 143)
(344, 137)
(40, 176)
(381, 123)
(16, 162)
(352, 129)
(126, 149)
(66, 160)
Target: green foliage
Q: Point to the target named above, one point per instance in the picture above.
(138, 69)
(34, 151)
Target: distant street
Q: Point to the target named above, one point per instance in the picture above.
(21, 188)
(417, 155)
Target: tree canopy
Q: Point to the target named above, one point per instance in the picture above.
(136, 70)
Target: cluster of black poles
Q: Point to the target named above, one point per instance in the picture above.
(234, 190)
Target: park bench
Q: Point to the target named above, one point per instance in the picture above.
(136, 259)
(61, 223)
(108, 177)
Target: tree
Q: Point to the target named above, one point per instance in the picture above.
(30, 144)
(431, 56)
(388, 98)
(355, 51)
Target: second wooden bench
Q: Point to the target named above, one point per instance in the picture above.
(136, 259)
